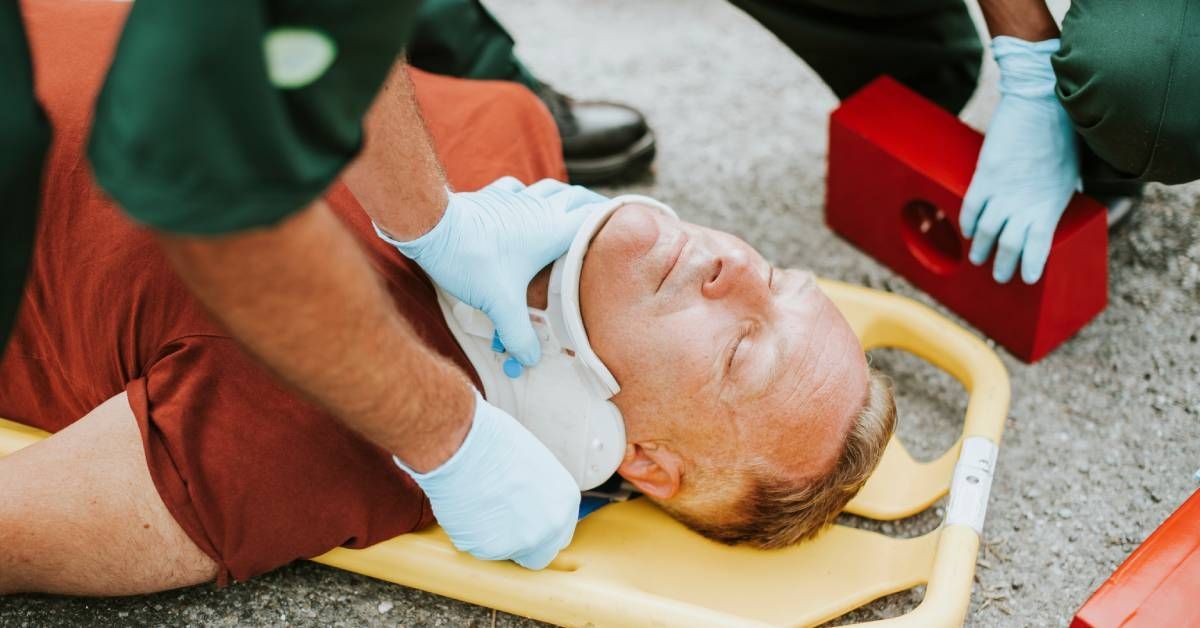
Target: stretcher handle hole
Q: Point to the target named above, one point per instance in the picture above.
(931, 236)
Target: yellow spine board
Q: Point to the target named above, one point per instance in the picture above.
(632, 565)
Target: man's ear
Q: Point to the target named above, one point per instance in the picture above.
(653, 468)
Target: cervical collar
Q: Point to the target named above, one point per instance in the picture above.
(564, 400)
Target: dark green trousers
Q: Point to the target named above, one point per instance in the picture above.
(24, 139)
(460, 38)
(1129, 76)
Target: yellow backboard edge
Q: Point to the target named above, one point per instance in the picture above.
(426, 561)
(888, 320)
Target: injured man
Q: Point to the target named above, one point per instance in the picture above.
(730, 392)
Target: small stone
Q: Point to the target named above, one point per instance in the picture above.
(385, 606)
(1065, 513)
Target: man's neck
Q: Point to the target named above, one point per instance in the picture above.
(537, 295)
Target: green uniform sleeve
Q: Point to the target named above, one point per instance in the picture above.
(222, 116)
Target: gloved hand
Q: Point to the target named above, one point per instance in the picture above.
(1028, 168)
(489, 244)
(503, 495)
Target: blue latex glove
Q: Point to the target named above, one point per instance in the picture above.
(489, 244)
(1028, 168)
(503, 495)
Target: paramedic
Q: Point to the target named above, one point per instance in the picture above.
(219, 127)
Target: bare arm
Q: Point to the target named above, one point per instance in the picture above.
(397, 178)
(1029, 20)
(303, 298)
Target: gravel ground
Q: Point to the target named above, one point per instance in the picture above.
(1101, 444)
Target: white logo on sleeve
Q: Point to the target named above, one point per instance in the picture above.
(297, 56)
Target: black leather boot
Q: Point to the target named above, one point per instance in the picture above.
(602, 141)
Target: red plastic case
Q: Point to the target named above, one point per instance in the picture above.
(899, 167)
(1158, 585)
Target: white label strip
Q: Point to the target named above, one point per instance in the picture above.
(972, 483)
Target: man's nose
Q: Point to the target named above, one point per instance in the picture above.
(735, 275)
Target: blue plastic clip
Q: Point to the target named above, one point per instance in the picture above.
(513, 368)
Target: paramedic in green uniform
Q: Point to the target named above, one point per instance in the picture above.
(1118, 91)
(219, 126)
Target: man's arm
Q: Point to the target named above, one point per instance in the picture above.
(303, 298)
(1024, 19)
(397, 177)
(323, 322)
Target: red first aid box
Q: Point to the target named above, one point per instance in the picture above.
(1158, 585)
(899, 167)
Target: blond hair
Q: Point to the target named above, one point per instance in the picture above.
(771, 512)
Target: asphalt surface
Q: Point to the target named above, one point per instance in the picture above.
(1102, 441)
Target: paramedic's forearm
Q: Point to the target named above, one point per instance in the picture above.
(1029, 20)
(397, 178)
(304, 299)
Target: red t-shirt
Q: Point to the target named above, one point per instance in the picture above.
(255, 474)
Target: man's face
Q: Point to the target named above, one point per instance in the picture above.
(719, 355)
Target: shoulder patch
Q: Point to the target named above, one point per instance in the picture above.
(297, 56)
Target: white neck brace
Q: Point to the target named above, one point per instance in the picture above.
(565, 399)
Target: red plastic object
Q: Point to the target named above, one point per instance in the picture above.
(1158, 585)
(898, 169)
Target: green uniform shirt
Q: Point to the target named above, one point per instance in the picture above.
(219, 116)
(216, 116)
